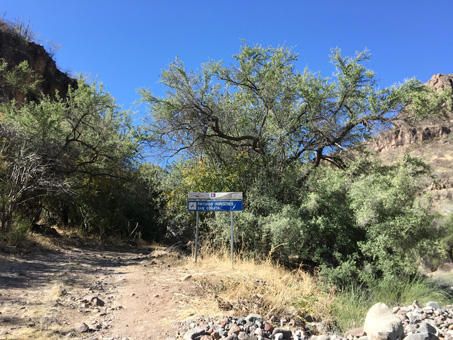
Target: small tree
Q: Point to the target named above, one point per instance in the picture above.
(24, 177)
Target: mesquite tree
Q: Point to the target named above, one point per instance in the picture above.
(263, 105)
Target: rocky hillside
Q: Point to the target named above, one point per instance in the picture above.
(430, 139)
(16, 48)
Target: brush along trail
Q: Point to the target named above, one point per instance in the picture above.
(93, 293)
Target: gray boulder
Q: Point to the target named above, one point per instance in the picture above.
(427, 328)
(381, 323)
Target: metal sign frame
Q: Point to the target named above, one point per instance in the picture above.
(214, 201)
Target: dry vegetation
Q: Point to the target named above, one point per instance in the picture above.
(255, 287)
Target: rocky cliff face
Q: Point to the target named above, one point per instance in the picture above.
(15, 49)
(430, 140)
(405, 132)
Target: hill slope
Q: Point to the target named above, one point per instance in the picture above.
(430, 140)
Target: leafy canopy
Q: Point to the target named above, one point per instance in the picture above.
(263, 105)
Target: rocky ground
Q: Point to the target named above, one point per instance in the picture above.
(432, 322)
(85, 293)
(137, 294)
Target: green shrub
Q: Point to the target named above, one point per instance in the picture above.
(352, 303)
(18, 232)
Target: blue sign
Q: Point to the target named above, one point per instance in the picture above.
(214, 205)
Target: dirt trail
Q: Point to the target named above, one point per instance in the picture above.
(117, 293)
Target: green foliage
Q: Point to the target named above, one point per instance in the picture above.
(446, 237)
(426, 102)
(18, 233)
(357, 225)
(257, 126)
(76, 158)
(363, 220)
(397, 224)
(17, 82)
(390, 224)
(353, 303)
(263, 105)
(404, 292)
(109, 206)
(203, 175)
(350, 308)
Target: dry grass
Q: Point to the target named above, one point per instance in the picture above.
(32, 324)
(254, 287)
(35, 334)
(35, 315)
(54, 292)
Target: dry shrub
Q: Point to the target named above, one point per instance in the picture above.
(262, 287)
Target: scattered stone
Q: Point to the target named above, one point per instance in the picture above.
(258, 331)
(278, 336)
(416, 304)
(354, 333)
(323, 337)
(234, 329)
(243, 336)
(433, 305)
(426, 328)
(47, 321)
(252, 318)
(268, 327)
(419, 324)
(411, 328)
(206, 337)
(194, 333)
(97, 301)
(232, 337)
(285, 334)
(419, 336)
(82, 328)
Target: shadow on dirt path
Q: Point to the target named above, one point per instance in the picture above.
(91, 293)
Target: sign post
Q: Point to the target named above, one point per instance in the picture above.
(196, 237)
(232, 241)
(214, 201)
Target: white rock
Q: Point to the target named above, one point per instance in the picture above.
(381, 322)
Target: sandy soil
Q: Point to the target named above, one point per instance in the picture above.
(117, 293)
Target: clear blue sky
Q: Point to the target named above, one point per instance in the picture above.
(126, 44)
